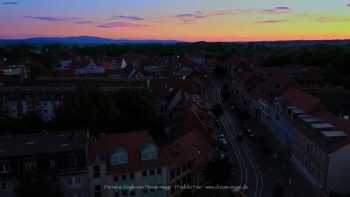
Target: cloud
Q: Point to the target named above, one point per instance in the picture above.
(74, 20)
(84, 22)
(272, 21)
(134, 18)
(10, 3)
(120, 25)
(325, 19)
(197, 15)
(53, 19)
(276, 10)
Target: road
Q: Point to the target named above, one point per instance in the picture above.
(249, 172)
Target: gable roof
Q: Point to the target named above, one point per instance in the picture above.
(132, 142)
(192, 147)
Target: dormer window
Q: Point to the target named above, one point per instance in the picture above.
(119, 156)
(149, 152)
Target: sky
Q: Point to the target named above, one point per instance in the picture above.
(187, 20)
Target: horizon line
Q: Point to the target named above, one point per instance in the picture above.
(178, 40)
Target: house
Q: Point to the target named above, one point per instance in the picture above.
(44, 95)
(57, 157)
(120, 69)
(186, 157)
(116, 162)
(63, 65)
(320, 149)
(90, 69)
(13, 72)
(144, 167)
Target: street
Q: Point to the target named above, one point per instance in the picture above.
(249, 173)
(257, 171)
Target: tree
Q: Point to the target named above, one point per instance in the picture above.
(123, 111)
(35, 185)
(219, 72)
(217, 110)
(278, 190)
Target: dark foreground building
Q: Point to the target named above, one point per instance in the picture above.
(56, 160)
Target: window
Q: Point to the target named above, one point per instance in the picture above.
(144, 173)
(132, 175)
(73, 181)
(4, 168)
(189, 179)
(151, 172)
(52, 163)
(119, 156)
(159, 171)
(30, 165)
(3, 186)
(123, 177)
(184, 168)
(172, 174)
(149, 152)
(76, 180)
(98, 190)
(96, 171)
(69, 181)
(74, 163)
(189, 165)
(178, 171)
(116, 178)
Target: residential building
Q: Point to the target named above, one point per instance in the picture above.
(58, 158)
(316, 139)
(44, 95)
(125, 160)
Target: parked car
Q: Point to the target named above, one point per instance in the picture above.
(224, 141)
(252, 137)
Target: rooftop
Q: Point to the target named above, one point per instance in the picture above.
(42, 143)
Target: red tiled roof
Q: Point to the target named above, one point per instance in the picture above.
(131, 142)
(192, 147)
(300, 99)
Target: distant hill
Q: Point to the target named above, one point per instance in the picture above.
(81, 40)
